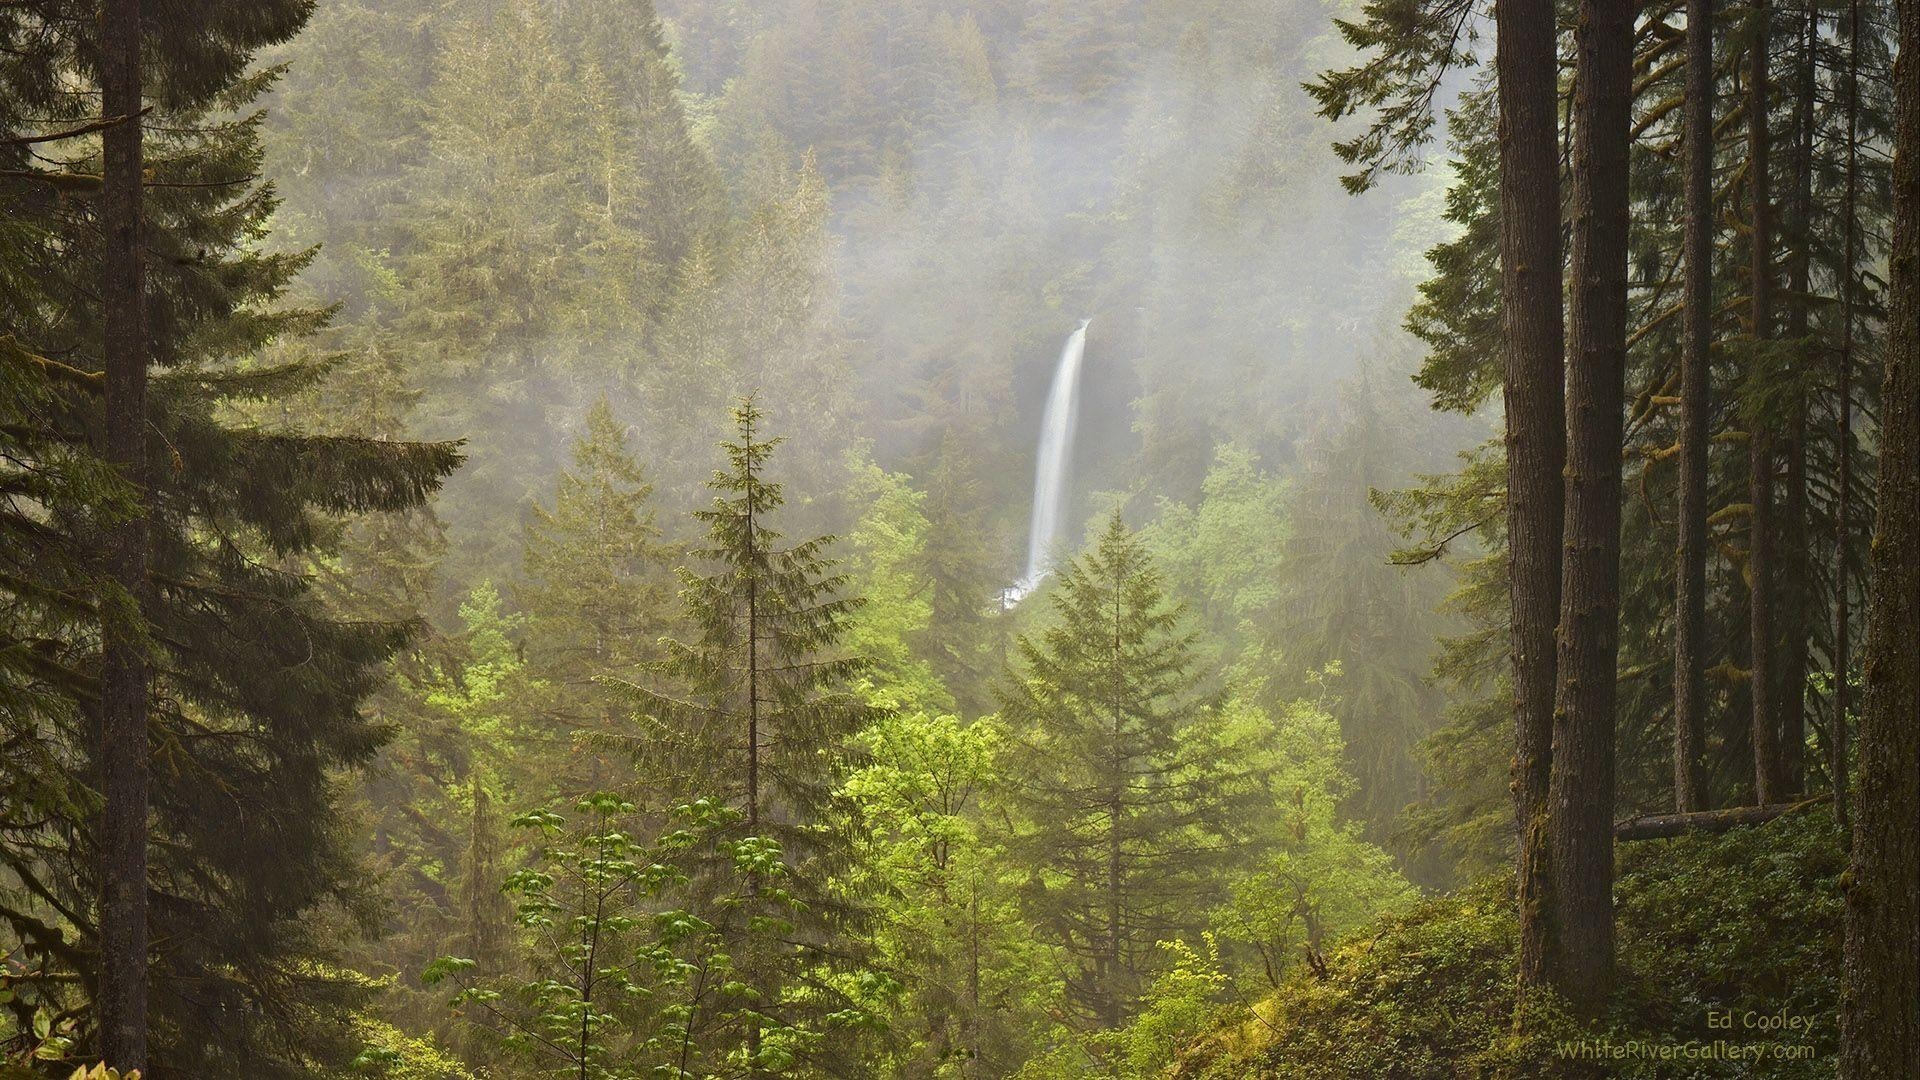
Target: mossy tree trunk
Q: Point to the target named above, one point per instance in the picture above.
(1533, 381)
(1696, 388)
(1880, 999)
(1580, 949)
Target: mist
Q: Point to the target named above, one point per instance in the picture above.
(956, 539)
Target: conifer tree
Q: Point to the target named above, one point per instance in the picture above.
(1122, 814)
(1341, 601)
(757, 711)
(1880, 1003)
(255, 689)
(124, 771)
(556, 199)
(1768, 774)
(1696, 389)
(1533, 388)
(1579, 954)
(596, 592)
(959, 570)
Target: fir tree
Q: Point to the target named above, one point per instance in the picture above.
(255, 690)
(1342, 601)
(757, 710)
(1123, 813)
(596, 592)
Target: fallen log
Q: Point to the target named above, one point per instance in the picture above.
(1667, 826)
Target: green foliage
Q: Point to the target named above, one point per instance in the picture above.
(761, 707)
(391, 1054)
(759, 702)
(1748, 924)
(1233, 584)
(977, 987)
(258, 685)
(596, 596)
(1126, 796)
(1408, 48)
(888, 551)
(550, 234)
(620, 981)
(1179, 1007)
(1343, 601)
(1742, 925)
(1317, 877)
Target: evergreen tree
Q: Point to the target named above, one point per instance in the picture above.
(125, 775)
(596, 593)
(1578, 908)
(1880, 1021)
(255, 689)
(757, 711)
(1696, 390)
(1532, 385)
(462, 740)
(1125, 809)
(961, 584)
(1342, 601)
(550, 198)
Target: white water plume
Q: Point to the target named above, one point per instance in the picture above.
(1047, 532)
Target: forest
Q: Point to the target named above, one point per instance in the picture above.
(937, 539)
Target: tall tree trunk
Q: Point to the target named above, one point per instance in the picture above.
(123, 666)
(1696, 387)
(1796, 561)
(1767, 779)
(1837, 757)
(1580, 951)
(1880, 997)
(1534, 386)
(753, 562)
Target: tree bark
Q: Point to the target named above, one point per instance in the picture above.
(1767, 773)
(1580, 950)
(1796, 555)
(1667, 826)
(1880, 996)
(123, 665)
(1696, 388)
(1837, 756)
(1534, 386)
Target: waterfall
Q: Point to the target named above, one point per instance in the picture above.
(1047, 532)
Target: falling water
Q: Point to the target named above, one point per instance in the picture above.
(1047, 531)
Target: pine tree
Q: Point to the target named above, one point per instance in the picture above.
(959, 568)
(548, 226)
(1769, 779)
(255, 688)
(1341, 601)
(757, 711)
(1696, 389)
(1123, 811)
(596, 594)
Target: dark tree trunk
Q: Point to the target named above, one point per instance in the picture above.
(1796, 555)
(1837, 757)
(123, 665)
(1531, 269)
(1767, 776)
(1880, 998)
(1696, 387)
(1580, 950)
